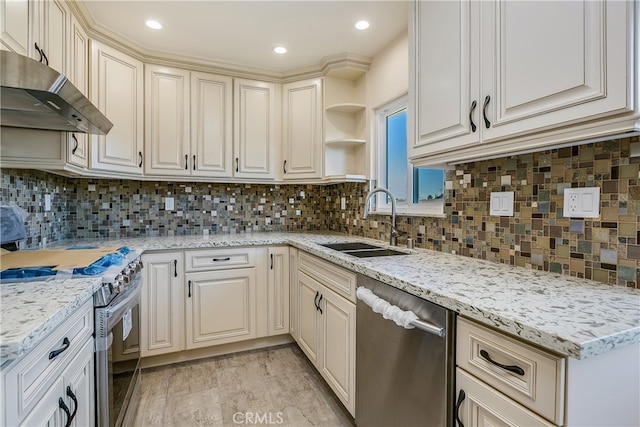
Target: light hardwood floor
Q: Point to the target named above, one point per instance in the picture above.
(274, 386)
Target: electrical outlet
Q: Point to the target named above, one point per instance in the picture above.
(47, 202)
(501, 203)
(168, 203)
(581, 202)
(343, 203)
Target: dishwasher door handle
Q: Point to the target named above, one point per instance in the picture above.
(397, 315)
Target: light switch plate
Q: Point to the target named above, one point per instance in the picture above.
(501, 203)
(581, 202)
(168, 203)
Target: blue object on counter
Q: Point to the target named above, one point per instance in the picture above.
(94, 269)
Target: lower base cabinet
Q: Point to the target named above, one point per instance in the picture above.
(201, 298)
(326, 324)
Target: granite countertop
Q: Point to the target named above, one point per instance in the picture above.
(573, 317)
(30, 311)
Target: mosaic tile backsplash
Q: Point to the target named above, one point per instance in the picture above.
(538, 236)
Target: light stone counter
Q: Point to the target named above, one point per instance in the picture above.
(30, 311)
(573, 317)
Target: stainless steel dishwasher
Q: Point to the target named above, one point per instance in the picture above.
(404, 377)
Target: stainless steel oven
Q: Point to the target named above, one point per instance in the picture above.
(117, 355)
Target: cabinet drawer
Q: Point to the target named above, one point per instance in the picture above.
(536, 377)
(219, 259)
(336, 278)
(483, 406)
(32, 376)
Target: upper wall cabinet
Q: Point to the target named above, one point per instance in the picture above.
(167, 125)
(518, 76)
(302, 129)
(211, 125)
(254, 129)
(37, 29)
(117, 90)
(78, 74)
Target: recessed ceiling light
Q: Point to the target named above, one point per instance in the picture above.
(362, 25)
(280, 49)
(153, 24)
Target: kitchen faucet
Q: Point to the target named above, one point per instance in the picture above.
(393, 235)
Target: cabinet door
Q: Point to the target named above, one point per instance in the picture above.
(47, 412)
(161, 306)
(338, 337)
(308, 319)
(15, 25)
(293, 292)
(302, 129)
(211, 125)
(53, 36)
(444, 76)
(278, 291)
(254, 128)
(552, 64)
(481, 405)
(221, 307)
(78, 143)
(117, 89)
(79, 379)
(167, 145)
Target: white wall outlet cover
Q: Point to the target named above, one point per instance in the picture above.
(168, 204)
(501, 203)
(581, 202)
(47, 202)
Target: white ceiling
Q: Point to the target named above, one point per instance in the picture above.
(244, 32)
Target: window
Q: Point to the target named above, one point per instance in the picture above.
(417, 190)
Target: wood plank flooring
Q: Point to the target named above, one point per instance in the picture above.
(274, 386)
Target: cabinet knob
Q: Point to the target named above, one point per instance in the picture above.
(186, 162)
(487, 123)
(474, 104)
(75, 144)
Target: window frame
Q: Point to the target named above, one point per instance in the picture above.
(382, 205)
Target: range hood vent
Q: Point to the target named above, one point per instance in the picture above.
(35, 96)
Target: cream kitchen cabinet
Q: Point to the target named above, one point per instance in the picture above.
(54, 376)
(302, 129)
(162, 303)
(37, 29)
(327, 323)
(188, 122)
(78, 74)
(220, 307)
(482, 96)
(278, 290)
(116, 88)
(254, 139)
(502, 380)
(293, 292)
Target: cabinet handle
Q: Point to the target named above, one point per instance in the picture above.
(320, 299)
(315, 300)
(39, 51)
(65, 408)
(186, 162)
(46, 60)
(65, 345)
(487, 123)
(189, 284)
(284, 166)
(175, 268)
(140, 154)
(461, 397)
(474, 104)
(194, 162)
(511, 368)
(237, 164)
(75, 147)
(221, 259)
(75, 401)
(272, 261)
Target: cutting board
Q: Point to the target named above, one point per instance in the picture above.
(58, 259)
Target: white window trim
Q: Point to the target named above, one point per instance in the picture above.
(381, 206)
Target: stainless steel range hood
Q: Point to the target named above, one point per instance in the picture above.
(38, 97)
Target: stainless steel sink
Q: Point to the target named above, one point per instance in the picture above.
(362, 250)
